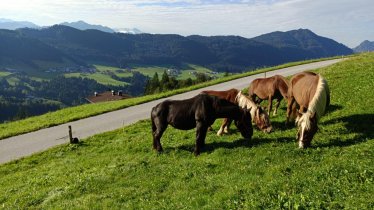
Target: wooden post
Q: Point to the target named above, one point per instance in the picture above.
(70, 134)
(74, 140)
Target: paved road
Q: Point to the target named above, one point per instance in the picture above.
(23, 145)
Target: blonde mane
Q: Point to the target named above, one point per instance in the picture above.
(246, 103)
(317, 105)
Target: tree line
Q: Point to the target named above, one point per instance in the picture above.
(157, 85)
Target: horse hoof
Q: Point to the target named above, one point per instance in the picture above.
(159, 149)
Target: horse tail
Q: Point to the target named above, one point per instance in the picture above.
(327, 89)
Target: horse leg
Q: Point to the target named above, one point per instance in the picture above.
(256, 99)
(224, 127)
(221, 129)
(290, 102)
(201, 130)
(158, 129)
(229, 121)
(270, 105)
(276, 106)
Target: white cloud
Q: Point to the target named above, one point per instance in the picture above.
(346, 21)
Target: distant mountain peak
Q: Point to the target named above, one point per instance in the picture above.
(81, 25)
(12, 24)
(365, 46)
(304, 40)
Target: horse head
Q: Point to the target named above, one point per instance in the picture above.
(262, 120)
(307, 127)
(259, 116)
(244, 124)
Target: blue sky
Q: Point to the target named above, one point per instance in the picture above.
(346, 21)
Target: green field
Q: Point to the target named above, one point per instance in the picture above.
(103, 73)
(119, 169)
(99, 77)
(4, 73)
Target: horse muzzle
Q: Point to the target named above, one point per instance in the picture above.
(268, 129)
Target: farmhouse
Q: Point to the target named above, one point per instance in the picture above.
(107, 96)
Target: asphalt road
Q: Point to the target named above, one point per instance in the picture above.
(23, 145)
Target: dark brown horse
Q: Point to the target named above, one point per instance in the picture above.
(271, 88)
(200, 112)
(259, 116)
(311, 93)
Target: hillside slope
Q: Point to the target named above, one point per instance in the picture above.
(22, 52)
(119, 169)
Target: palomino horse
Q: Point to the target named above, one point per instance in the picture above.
(311, 93)
(274, 87)
(259, 116)
(200, 112)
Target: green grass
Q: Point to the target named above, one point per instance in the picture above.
(103, 69)
(12, 80)
(4, 73)
(99, 77)
(186, 73)
(150, 70)
(84, 111)
(119, 169)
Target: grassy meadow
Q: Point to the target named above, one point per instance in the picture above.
(119, 169)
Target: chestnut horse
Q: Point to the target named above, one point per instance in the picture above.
(259, 116)
(270, 88)
(200, 112)
(311, 93)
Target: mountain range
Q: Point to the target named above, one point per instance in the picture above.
(81, 25)
(60, 43)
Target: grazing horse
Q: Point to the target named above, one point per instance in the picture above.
(200, 112)
(270, 88)
(311, 93)
(259, 116)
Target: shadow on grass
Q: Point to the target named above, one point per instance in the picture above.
(334, 107)
(361, 124)
(283, 126)
(245, 143)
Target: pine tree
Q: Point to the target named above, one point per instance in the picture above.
(164, 81)
(153, 85)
